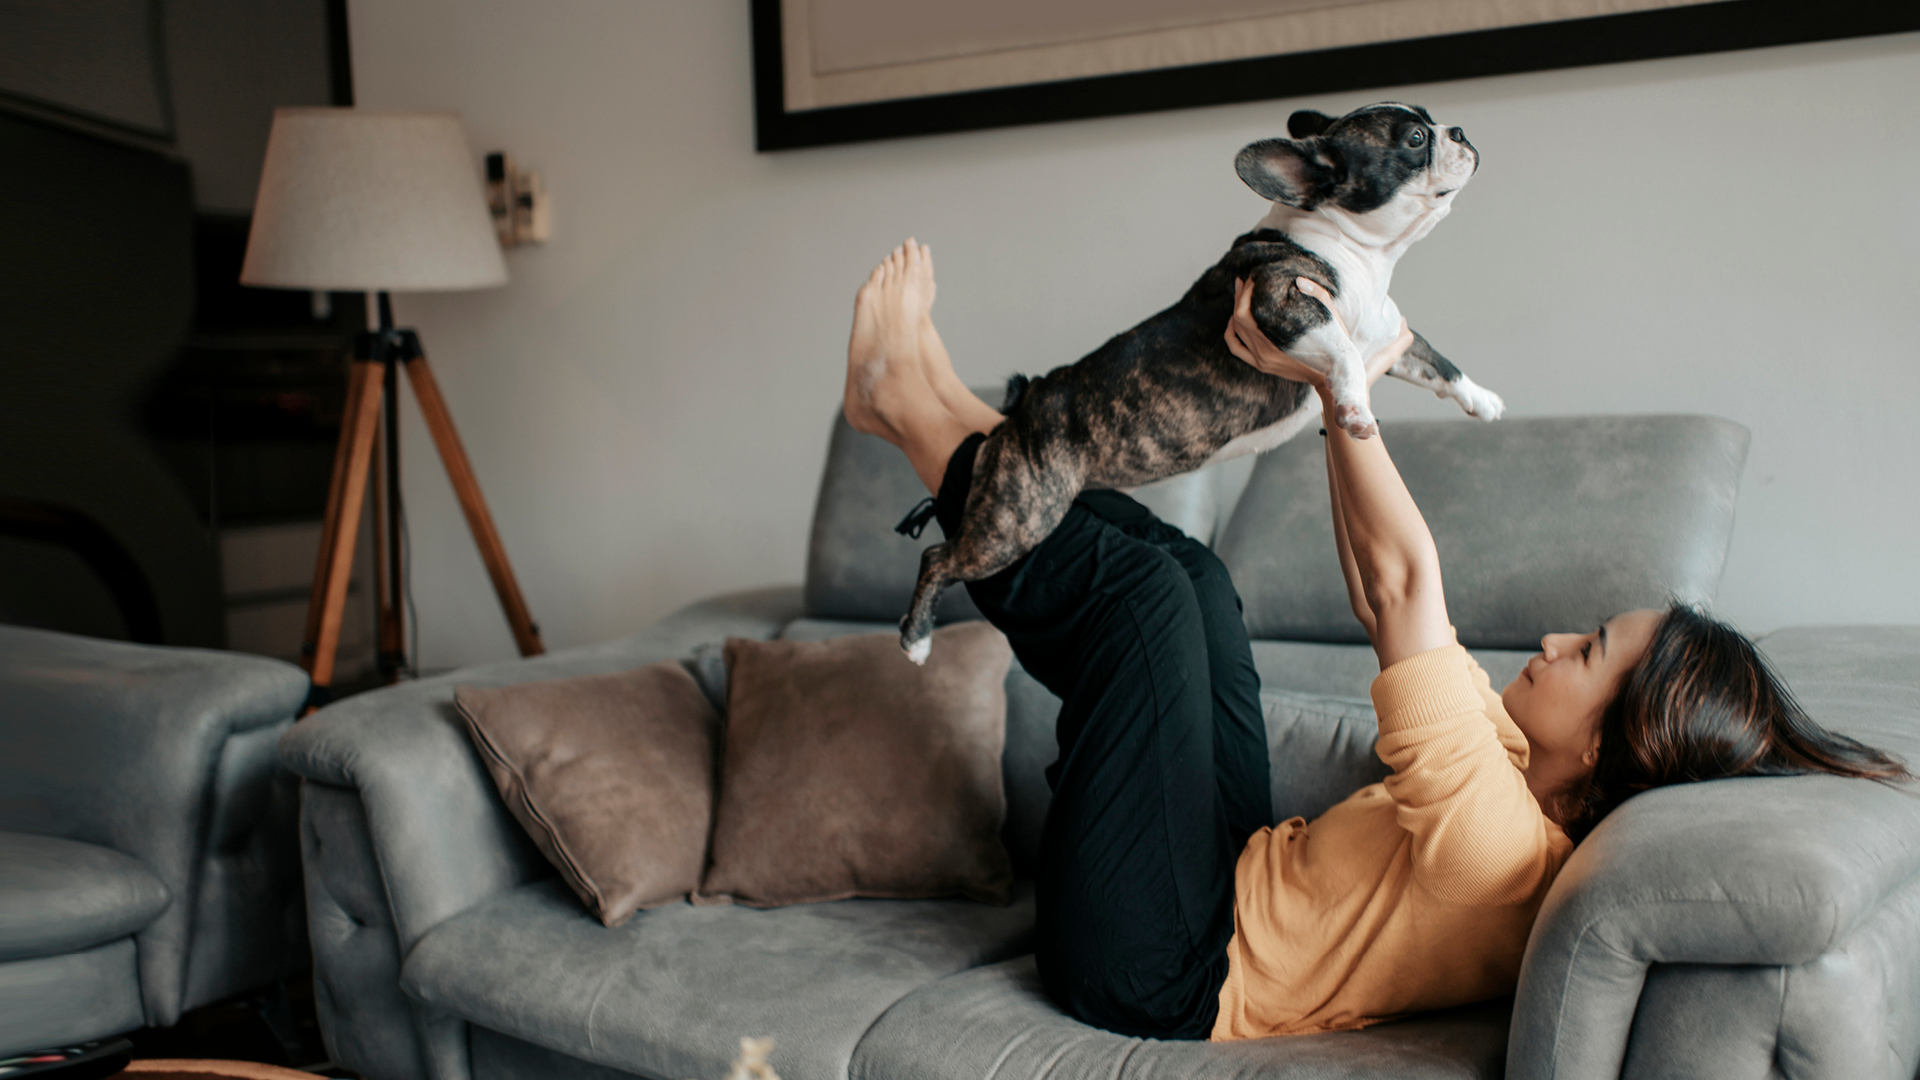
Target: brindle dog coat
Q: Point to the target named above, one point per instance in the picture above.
(1166, 397)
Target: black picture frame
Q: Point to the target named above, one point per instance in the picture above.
(1722, 26)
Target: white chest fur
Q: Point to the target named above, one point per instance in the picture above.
(1372, 318)
(1362, 249)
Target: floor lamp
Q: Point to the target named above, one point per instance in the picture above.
(364, 200)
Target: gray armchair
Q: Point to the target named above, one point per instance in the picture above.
(148, 837)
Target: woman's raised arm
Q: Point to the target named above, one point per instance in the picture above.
(1394, 570)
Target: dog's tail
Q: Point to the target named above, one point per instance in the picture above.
(1016, 389)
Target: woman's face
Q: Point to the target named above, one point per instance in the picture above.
(1557, 699)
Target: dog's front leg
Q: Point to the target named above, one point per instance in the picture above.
(1424, 366)
(1347, 379)
(1307, 331)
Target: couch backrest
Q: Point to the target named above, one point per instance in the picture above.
(1543, 525)
(858, 568)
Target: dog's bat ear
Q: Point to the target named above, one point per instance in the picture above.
(1307, 123)
(1300, 173)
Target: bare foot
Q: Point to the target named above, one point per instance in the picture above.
(885, 381)
(937, 366)
(961, 401)
(907, 301)
(866, 360)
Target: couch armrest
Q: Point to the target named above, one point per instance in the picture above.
(1759, 871)
(123, 746)
(442, 837)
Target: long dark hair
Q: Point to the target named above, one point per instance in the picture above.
(1704, 704)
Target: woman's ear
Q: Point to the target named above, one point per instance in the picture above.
(1592, 755)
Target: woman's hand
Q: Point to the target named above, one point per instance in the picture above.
(1247, 341)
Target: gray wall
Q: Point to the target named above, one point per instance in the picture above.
(647, 402)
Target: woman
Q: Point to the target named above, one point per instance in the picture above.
(1166, 904)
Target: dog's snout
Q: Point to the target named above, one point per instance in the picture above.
(1457, 134)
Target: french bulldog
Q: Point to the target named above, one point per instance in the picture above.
(1350, 195)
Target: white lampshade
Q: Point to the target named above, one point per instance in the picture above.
(364, 200)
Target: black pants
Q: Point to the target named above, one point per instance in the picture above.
(1162, 773)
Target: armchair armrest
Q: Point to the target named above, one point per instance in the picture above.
(1773, 871)
(123, 746)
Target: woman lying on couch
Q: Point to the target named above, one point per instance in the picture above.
(1167, 906)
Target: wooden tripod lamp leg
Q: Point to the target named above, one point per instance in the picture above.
(346, 494)
(466, 487)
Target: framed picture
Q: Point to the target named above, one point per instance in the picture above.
(837, 71)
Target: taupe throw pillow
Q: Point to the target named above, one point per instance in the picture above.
(849, 771)
(612, 776)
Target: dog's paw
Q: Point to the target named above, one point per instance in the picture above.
(918, 651)
(1476, 400)
(1356, 420)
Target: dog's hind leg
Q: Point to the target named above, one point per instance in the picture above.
(1020, 492)
(1424, 366)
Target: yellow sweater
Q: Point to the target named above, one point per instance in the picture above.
(1416, 893)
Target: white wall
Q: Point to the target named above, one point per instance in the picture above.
(647, 403)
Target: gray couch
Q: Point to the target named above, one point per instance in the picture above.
(146, 834)
(1750, 928)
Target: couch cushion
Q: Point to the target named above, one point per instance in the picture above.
(611, 776)
(995, 1023)
(1319, 751)
(849, 771)
(1862, 681)
(671, 993)
(1543, 525)
(61, 896)
(1031, 709)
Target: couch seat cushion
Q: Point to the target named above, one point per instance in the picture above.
(672, 992)
(61, 896)
(995, 1022)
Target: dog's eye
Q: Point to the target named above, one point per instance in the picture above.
(1418, 138)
